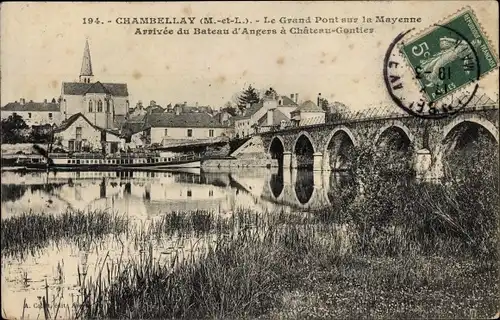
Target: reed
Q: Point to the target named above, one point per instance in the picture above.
(273, 268)
(29, 232)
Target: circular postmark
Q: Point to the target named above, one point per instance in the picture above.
(442, 63)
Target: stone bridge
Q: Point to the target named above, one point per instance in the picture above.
(327, 146)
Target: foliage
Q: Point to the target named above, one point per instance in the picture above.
(335, 111)
(14, 129)
(229, 108)
(41, 133)
(249, 95)
(393, 205)
(270, 93)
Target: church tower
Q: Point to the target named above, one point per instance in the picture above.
(86, 74)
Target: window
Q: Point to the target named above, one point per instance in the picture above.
(91, 107)
(71, 145)
(211, 132)
(50, 115)
(190, 132)
(210, 193)
(189, 194)
(99, 106)
(29, 115)
(107, 106)
(78, 133)
(78, 145)
(166, 133)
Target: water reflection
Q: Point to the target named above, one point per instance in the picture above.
(145, 194)
(304, 185)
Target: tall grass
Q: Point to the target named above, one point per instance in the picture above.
(390, 247)
(30, 232)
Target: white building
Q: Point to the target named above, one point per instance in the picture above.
(78, 133)
(100, 102)
(33, 113)
(272, 111)
(308, 113)
(163, 128)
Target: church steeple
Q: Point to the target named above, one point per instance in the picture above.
(86, 71)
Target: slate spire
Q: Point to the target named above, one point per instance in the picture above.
(86, 71)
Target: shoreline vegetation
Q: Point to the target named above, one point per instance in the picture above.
(390, 247)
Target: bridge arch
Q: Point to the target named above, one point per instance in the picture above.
(303, 150)
(473, 119)
(397, 127)
(277, 149)
(338, 148)
(468, 142)
(276, 185)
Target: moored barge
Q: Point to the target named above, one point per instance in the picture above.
(99, 162)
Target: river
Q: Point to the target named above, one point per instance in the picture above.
(142, 196)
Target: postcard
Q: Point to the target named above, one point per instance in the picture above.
(235, 160)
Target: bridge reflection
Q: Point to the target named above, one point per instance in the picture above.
(307, 189)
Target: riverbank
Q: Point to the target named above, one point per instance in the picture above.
(291, 267)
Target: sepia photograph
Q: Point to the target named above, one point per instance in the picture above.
(250, 160)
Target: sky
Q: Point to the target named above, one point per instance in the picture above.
(42, 46)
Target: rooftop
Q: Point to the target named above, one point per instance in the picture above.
(32, 106)
(308, 106)
(183, 120)
(81, 88)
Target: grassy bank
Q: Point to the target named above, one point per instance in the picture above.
(295, 271)
(390, 247)
(30, 232)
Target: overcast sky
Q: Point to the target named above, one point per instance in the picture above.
(42, 45)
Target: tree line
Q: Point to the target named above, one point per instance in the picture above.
(15, 130)
(251, 96)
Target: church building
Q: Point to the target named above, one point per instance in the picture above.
(100, 103)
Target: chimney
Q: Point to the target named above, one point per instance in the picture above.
(177, 110)
(291, 97)
(196, 104)
(22, 101)
(296, 98)
(185, 103)
(44, 100)
(319, 99)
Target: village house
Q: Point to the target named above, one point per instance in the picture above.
(101, 103)
(163, 128)
(270, 112)
(77, 133)
(308, 113)
(33, 113)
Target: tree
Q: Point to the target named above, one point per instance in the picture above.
(323, 104)
(270, 92)
(229, 108)
(336, 111)
(41, 134)
(250, 95)
(14, 129)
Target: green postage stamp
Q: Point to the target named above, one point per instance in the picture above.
(450, 55)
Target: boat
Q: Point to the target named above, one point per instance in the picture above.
(119, 162)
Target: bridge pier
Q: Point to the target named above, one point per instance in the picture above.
(287, 159)
(318, 161)
(425, 168)
(318, 179)
(326, 162)
(423, 162)
(294, 161)
(287, 177)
